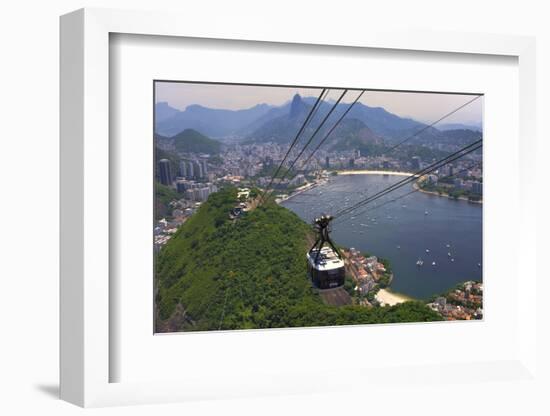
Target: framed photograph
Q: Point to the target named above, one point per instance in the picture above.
(255, 215)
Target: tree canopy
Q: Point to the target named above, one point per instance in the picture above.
(250, 273)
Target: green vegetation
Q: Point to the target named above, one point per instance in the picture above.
(254, 192)
(385, 279)
(445, 187)
(349, 285)
(216, 160)
(191, 141)
(163, 196)
(250, 273)
(371, 295)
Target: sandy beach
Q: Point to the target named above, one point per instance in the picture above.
(301, 189)
(372, 172)
(389, 298)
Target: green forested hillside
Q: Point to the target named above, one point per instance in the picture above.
(191, 141)
(216, 273)
(163, 196)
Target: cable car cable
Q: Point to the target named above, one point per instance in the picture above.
(412, 177)
(370, 209)
(329, 133)
(433, 124)
(312, 136)
(408, 180)
(293, 143)
(452, 157)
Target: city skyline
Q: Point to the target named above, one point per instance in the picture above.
(423, 107)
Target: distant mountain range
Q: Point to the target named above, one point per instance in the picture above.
(459, 126)
(266, 123)
(211, 122)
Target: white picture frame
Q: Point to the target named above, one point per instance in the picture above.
(85, 352)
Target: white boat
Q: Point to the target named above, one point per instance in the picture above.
(419, 262)
(449, 254)
(452, 259)
(479, 265)
(398, 246)
(448, 245)
(427, 250)
(425, 212)
(433, 263)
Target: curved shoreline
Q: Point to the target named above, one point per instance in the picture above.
(298, 191)
(460, 198)
(374, 172)
(389, 297)
(415, 186)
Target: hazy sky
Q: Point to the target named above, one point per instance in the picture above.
(420, 106)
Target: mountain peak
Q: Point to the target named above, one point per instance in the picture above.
(297, 106)
(164, 111)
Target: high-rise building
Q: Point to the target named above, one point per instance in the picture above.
(204, 167)
(477, 188)
(415, 162)
(181, 186)
(165, 174)
(298, 180)
(190, 170)
(183, 169)
(198, 194)
(199, 174)
(203, 193)
(190, 194)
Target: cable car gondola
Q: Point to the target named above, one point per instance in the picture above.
(325, 266)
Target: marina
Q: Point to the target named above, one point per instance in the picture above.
(416, 235)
